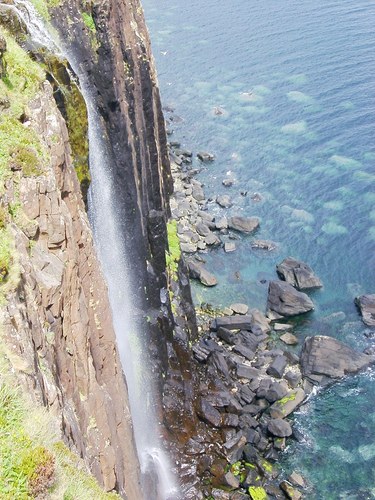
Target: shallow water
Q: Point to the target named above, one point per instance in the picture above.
(295, 84)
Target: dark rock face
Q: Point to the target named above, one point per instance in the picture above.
(243, 224)
(298, 274)
(366, 304)
(284, 300)
(324, 358)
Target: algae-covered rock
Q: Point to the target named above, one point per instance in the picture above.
(258, 493)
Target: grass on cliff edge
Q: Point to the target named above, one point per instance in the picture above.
(33, 461)
(173, 256)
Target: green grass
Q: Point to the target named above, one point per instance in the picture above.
(89, 22)
(42, 7)
(5, 254)
(33, 461)
(173, 255)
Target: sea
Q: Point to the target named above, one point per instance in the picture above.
(283, 94)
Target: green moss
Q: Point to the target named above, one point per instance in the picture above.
(288, 397)
(267, 466)
(89, 22)
(258, 493)
(173, 255)
(42, 7)
(5, 254)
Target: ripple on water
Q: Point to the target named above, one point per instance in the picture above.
(345, 161)
(300, 97)
(335, 205)
(295, 128)
(332, 227)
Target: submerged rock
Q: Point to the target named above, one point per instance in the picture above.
(205, 157)
(224, 201)
(285, 300)
(263, 245)
(324, 358)
(197, 271)
(298, 274)
(366, 304)
(243, 224)
(239, 308)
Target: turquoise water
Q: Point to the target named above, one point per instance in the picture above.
(295, 86)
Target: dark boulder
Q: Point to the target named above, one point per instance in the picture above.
(285, 300)
(209, 414)
(236, 322)
(324, 358)
(277, 367)
(197, 271)
(205, 157)
(366, 304)
(298, 274)
(279, 428)
(243, 224)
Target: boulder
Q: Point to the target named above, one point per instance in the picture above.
(297, 480)
(224, 201)
(263, 245)
(298, 274)
(212, 240)
(209, 414)
(277, 367)
(324, 358)
(239, 308)
(289, 491)
(366, 304)
(282, 327)
(229, 246)
(276, 392)
(202, 229)
(205, 157)
(287, 404)
(243, 224)
(285, 300)
(289, 339)
(279, 428)
(197, 271)
(221, 223)
(228, 182)
(236, 322)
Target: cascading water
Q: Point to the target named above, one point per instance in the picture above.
(109, 242)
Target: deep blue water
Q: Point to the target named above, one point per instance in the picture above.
(295, 81)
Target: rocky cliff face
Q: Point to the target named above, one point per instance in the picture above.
(57, 321)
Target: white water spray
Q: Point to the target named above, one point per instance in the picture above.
(109, 243)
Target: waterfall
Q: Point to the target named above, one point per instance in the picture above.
(109, 243)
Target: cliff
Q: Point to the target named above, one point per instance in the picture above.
(57, 334)
(57, 324)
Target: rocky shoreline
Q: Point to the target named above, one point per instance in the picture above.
(249, 389)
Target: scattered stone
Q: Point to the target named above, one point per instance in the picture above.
(205, 157)
(202, 229)
(323, 358)
(256, 197)
(188, 247)
(224, 201)
(229, 246)
(285, 300)
(243, 224)
(212, 240)
(289, 491)
(221, 223)
(297, 480)
(289, 339)
(244, 351)
(366, 304)
(298, 274)
(231, 481)
(183, 152)
(209, 414)
(246, 371)
(279, 428)
(282, 327)
(275, 392)
(226, 335)
(277, 367)
(237, 322)
(239, 308)
(293, 378)
(263, 245)
(198, 193)
(260, 321)
(228, 182)
(197, 271)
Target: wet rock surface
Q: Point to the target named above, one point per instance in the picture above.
(366, 305)
(324, 358)
(298, 274)
(285, 300)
